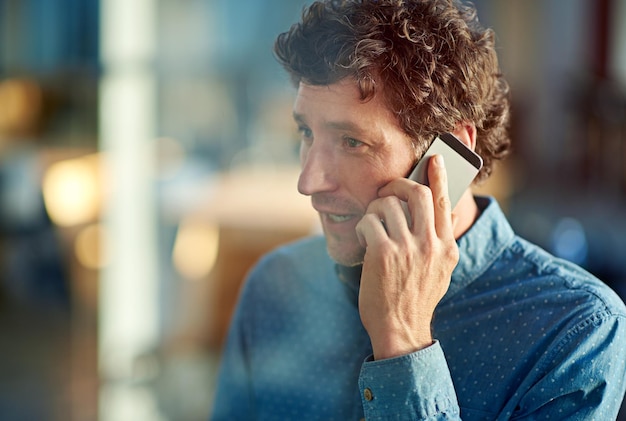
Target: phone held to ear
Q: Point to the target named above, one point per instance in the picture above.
(462, 165)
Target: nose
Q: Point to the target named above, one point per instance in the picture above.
(318, 171)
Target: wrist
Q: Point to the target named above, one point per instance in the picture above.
(392, 346)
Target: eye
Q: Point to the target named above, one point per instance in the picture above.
(306, 134)
(352, 143)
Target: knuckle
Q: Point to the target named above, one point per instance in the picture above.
(452, 253)
(377, 205)
(406, 242)
(444, 202)
(420, 192)
(426, 249)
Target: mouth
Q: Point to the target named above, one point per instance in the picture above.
(338, 218)
(338, 214)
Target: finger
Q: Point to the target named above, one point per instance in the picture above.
(370, 230)
(400, 187)
(438, 180)
(391, 211)
(419, 201)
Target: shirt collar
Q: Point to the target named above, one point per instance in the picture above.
(479, 247)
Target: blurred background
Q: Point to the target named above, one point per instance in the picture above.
(147, 159)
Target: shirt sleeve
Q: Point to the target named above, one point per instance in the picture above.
(416, 386)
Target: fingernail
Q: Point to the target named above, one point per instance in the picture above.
(439, 161)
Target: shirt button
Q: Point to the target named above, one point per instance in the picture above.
(367, 394)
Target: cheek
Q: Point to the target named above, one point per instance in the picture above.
(391, 169)
(365, 181)
(370, 179)
(405, 164)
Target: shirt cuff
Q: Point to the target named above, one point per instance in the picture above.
(409, 387)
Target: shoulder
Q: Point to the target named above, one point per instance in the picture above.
(304, 254)
(287, 283)
(554, 276)
(298, 261)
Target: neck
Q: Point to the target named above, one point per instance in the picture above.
(465, 213)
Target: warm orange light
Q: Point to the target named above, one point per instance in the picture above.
(196, 247)
(21, 106)
(71, 191)
(88, 247)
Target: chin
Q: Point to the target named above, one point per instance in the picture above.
(345, 254)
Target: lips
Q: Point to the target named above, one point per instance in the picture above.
(339, 218)
(335, 210)
(333, 215)
(336, 218)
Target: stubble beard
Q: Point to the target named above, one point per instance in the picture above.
(349, 255)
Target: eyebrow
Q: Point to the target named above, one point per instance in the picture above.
(298, 118)
(336, 125)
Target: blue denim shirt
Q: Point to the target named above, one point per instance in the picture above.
(519, 335)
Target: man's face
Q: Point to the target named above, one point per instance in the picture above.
(349, 150)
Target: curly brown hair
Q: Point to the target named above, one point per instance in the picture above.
(437, 64)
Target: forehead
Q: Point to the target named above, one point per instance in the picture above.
(341, 101)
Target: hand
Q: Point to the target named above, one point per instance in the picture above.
(408, 263)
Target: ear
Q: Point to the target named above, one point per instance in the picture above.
(466, 132)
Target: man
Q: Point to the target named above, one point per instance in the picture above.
(408, 309)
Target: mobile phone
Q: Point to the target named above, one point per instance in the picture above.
(462, 165)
